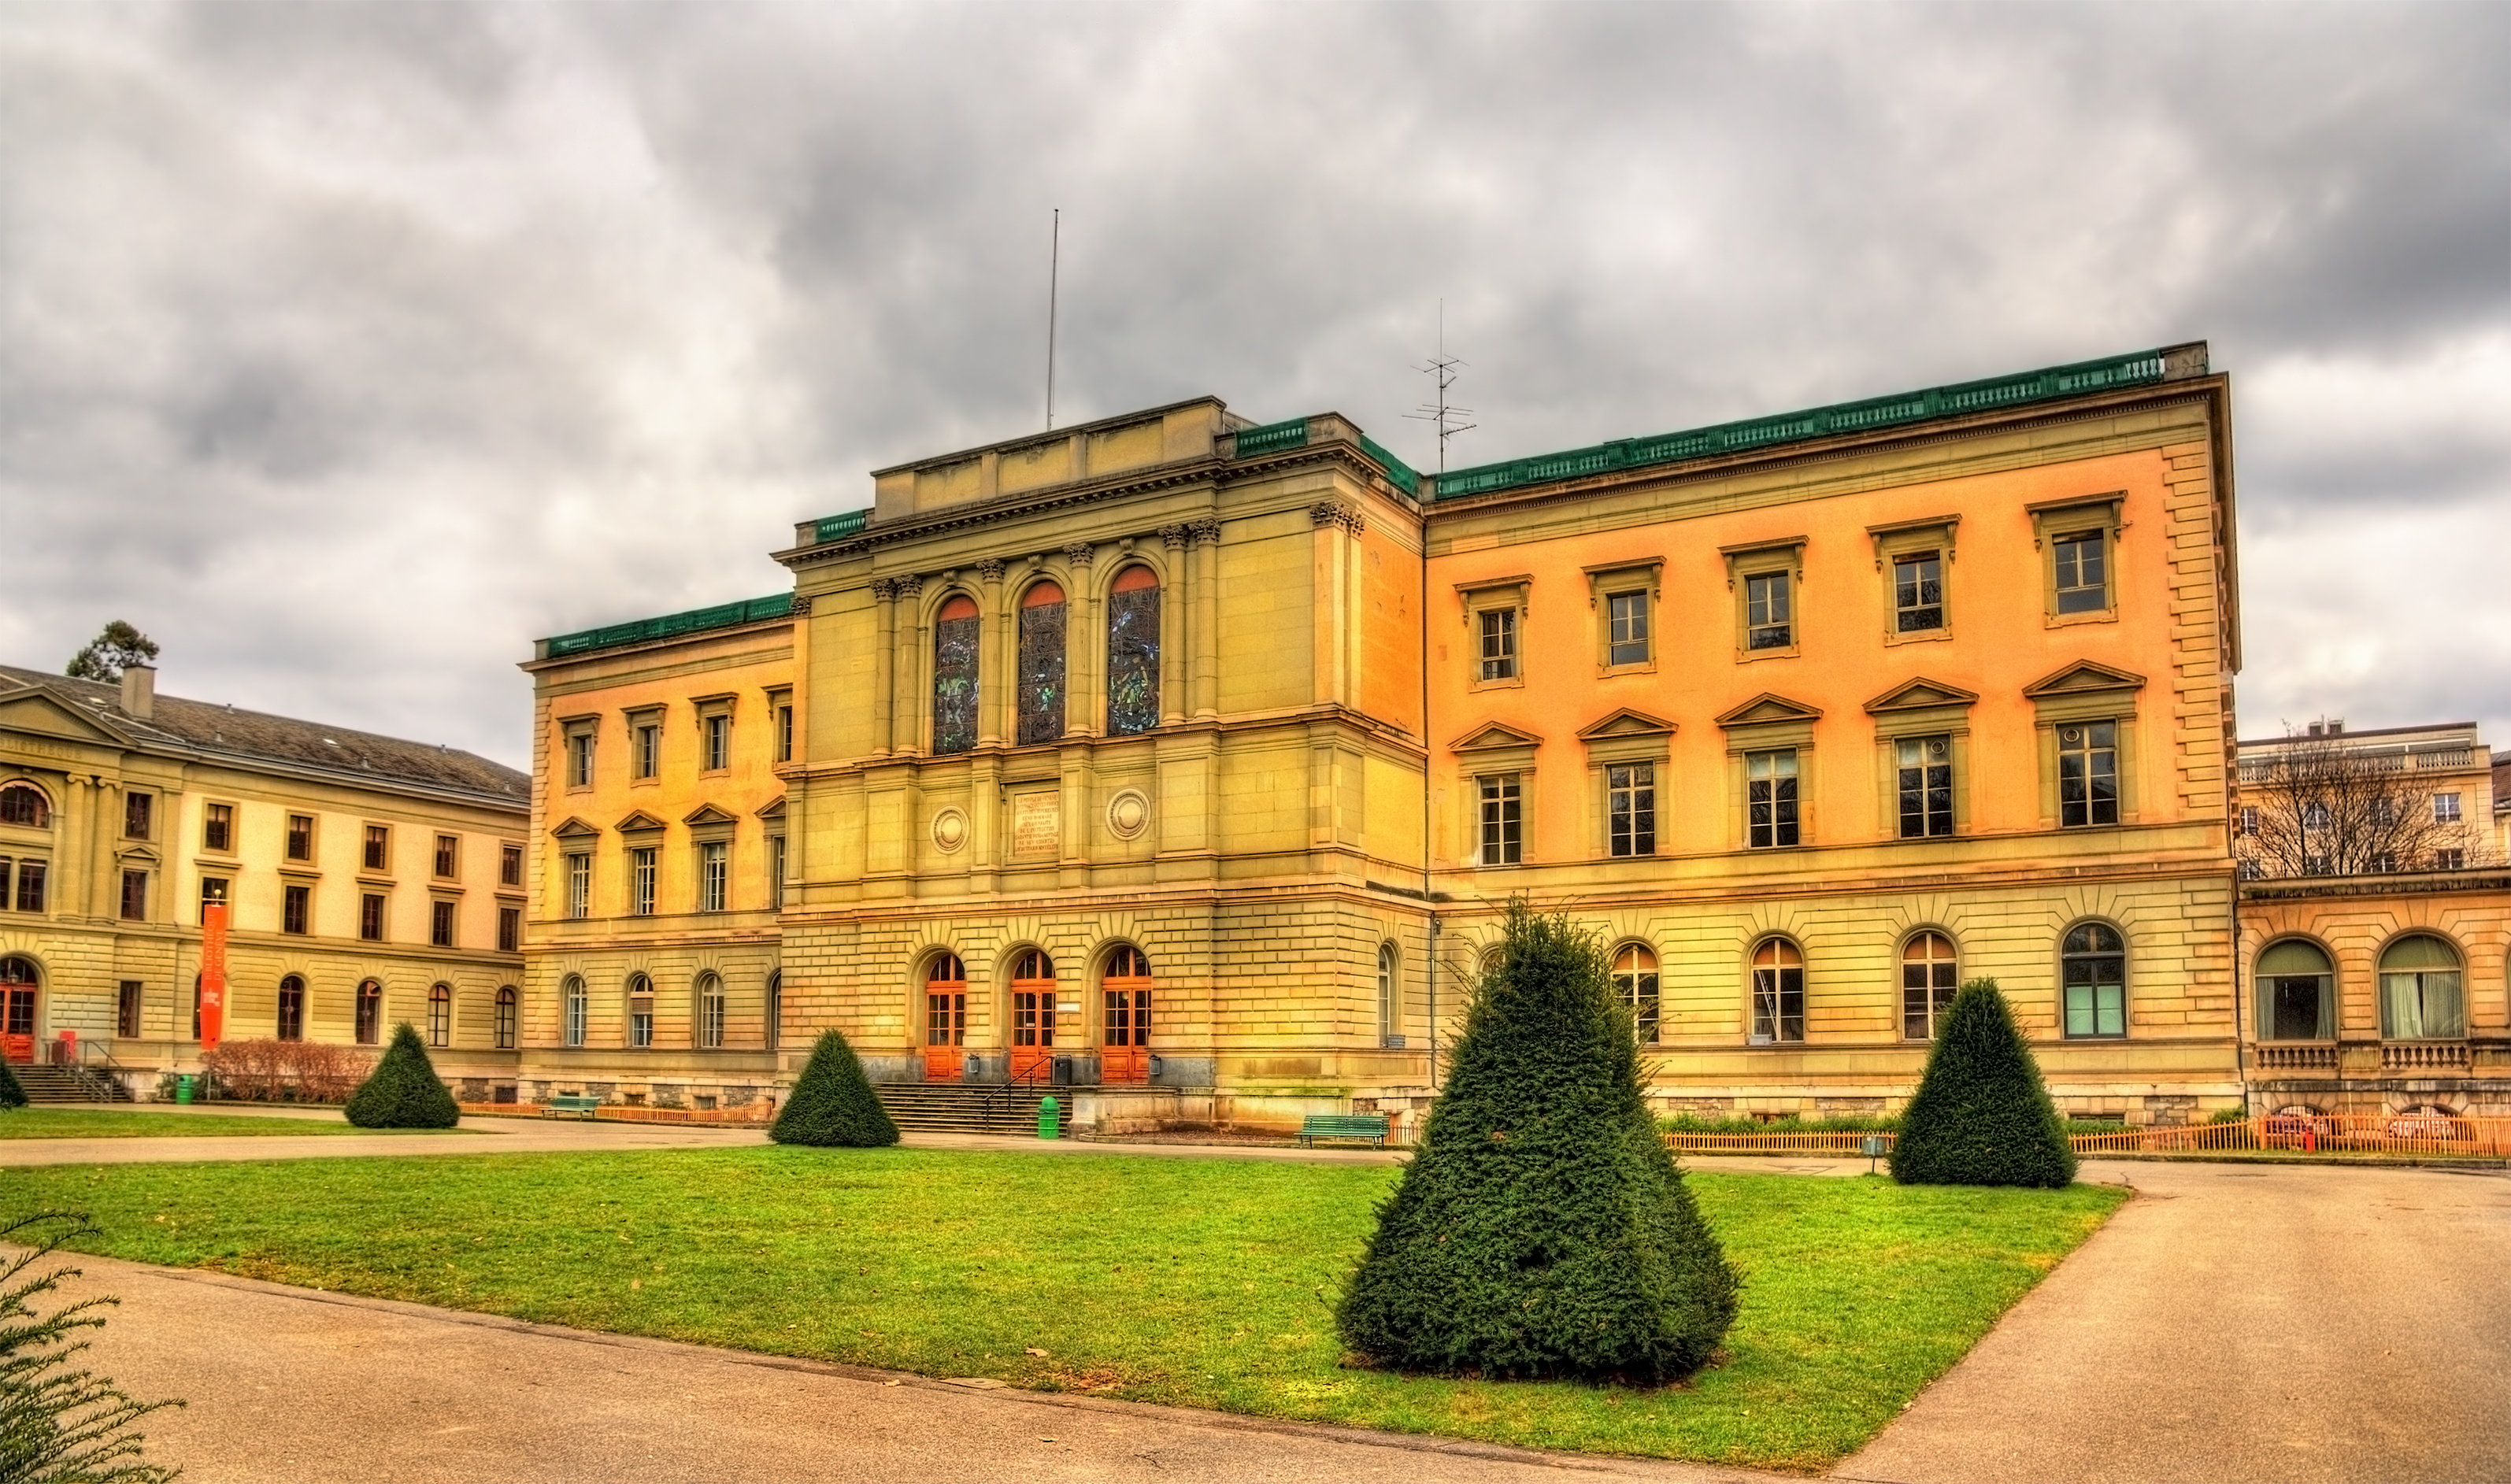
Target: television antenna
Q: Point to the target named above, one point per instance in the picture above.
(1443, 414)
(1054, 270)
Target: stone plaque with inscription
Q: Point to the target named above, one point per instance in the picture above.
(1037, 822)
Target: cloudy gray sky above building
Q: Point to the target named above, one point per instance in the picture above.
(347, 348)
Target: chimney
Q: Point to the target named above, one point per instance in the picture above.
(2337, 728)
(2319, 729)
(140, 691)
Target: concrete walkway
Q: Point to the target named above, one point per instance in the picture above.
(2300, 1323)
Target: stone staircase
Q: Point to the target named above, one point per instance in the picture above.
(969, 1107)
(47, 1083)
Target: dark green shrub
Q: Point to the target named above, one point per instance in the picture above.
(833, 1103)
(404, 1090)
(1981, 1114)
(1541, 1228)
(13, 1093)
(58, 1425)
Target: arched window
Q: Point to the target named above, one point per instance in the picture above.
(2423, 990)
(370, 1012)
(574, 1004)
(946, 1018)
(710, 1011)
(2093, 967)
(505, 1017)
(1493, 959)
(1134, 652)
(18, 983)
(1929, 976)
(2297, 992)
(25, 804)
(1635, 980)
(1125, 987)
(439, 1015)
(1041, 681)
(1389, 1014)
(957, 632)
(1032, 1015)
(641, 1011)
(775, 1009)
(291, 1008)
(1778, 992)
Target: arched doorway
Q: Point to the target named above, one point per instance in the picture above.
(18, 984)
(946, 1018)
(1126, 983)
(1032, 1016)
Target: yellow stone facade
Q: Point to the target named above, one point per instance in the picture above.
(1285, 823)
(149, 802)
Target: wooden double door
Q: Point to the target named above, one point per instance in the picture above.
(17, 989)
(1125, 994)
(1125, 990)
(945, 1019)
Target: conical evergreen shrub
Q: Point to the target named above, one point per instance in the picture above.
(1542, 1228)
(833, 1102)
(404, 1090)
(1981, 1114)
(13, 1093)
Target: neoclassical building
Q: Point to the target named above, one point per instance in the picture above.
(369, 880)
(1190, 762)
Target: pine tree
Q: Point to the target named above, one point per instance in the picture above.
(111, 652)
(833, 1102)
(404, 1090)
(1542, 1228)
(58, 1423)
(13, 1093)
(1981, 1114)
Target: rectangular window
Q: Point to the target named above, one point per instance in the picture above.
(213, 889)
(1502, 820)
(126, 1010)
(510, 865)
(448, 856)
(370, 917)
(1498, 643)
(217, 827)
(378, 853)
(4, 881)
(579, 759)
(2249, 819)
(2088, 774)
(641, 1021)
(2449, 858)
(718, 742)
(641, 880)
(714, 875)
(1769, 614)
(2083, 573)
(1925, 778)
(579, 886)
(30, 886)
(295, 909)
(138, 811)
(776, 872)
(1628, 614)
(1770, 798)
(135, 897)
(1778, 1003)
(1917, 592)
(2094, 1009)
(2445, 808)
(784, 731)
(510, 930)
(440, 924)
(300, 837)
(646, 750)
(1629, 806)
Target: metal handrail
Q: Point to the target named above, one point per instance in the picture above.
(1042, 1075)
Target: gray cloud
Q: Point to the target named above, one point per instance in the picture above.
(348, 347)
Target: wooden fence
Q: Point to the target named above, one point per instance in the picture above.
(2414, 1135)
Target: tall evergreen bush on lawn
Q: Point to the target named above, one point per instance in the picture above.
(1542, 1228)
(833, 1102)
(404, 1090)
(1981, 1114)
(13, 1093)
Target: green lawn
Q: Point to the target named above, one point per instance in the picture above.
(1202, 1282)
(40, 1122)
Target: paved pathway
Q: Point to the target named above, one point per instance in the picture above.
(2302, 1323)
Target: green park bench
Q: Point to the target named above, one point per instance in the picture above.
(1342, 1126)
(571, 1102)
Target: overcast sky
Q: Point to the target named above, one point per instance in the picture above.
(345, 349)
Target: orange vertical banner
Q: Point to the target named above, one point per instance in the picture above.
(213, 973)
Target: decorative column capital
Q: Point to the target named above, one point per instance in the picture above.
(908, 586)
(801, 607)
(1175, 537)
(1079, 553)
(991, 569)
(1325, 512)
(1208, 532)
(883, 589)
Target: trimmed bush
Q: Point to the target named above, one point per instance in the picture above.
(13, 1093)
(1981, 1114)
(404, 1091)
(1542, 1228)
(833, 1102)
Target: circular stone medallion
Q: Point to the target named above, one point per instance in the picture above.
(1128, 814)
(949, 829)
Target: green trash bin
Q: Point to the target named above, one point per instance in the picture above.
(183, 1087)
(1050, 1118)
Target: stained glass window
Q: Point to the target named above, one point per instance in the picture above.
(1041, 664)
(1134, 652)
(955, 633)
